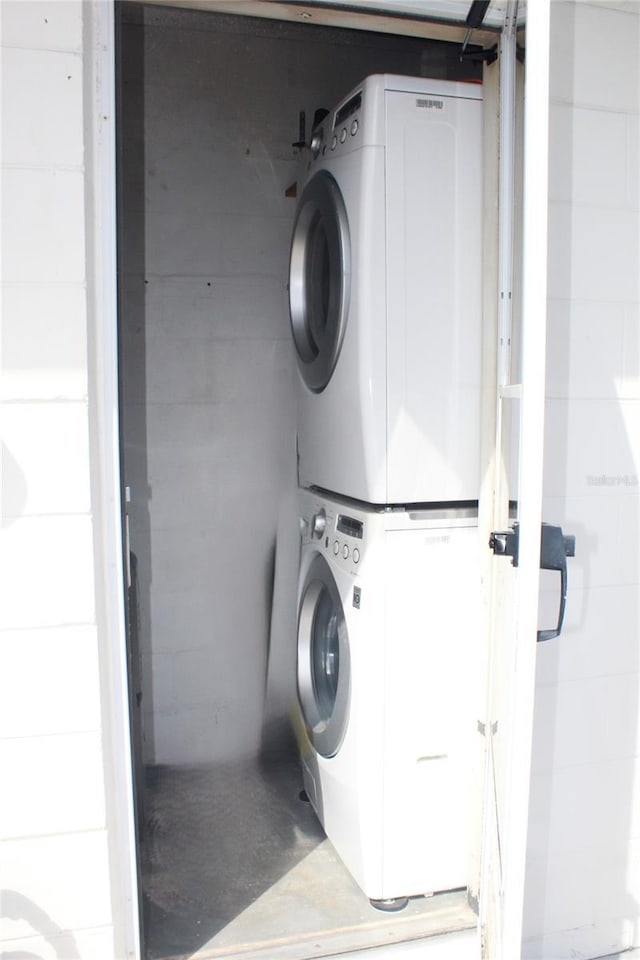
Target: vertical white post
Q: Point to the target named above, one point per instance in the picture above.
(100, 194)
(506, 190)
(534, 311)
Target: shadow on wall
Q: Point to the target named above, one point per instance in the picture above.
(14, 488)
(17, 907)
(583, 813)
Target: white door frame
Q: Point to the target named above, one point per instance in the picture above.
(101, 232)
(530, 476)
(502, 883)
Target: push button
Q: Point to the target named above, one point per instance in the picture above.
(334, 142)
(345, 552)
(356, 555)
(343, 135)
(354, 128)
(336, 547)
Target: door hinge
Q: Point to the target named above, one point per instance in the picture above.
(474, 902)
(482, 728)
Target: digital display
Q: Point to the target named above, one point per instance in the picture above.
(347, 109)
(350, 526)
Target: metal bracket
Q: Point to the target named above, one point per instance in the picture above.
(489, 55)
(506, 543)
(301, 142)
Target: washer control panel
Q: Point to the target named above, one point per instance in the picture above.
(340, 534)
(346, 542)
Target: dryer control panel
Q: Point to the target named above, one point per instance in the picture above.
(337, 136)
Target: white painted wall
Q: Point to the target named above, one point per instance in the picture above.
(57, 807)
(583, 876)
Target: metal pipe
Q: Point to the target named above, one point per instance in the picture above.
(506, 190)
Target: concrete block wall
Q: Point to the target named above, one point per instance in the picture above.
(583, 876)
(56, 881)
(210, 111)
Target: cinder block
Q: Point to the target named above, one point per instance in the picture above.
(217, 731)
(586, 721)
(197, 674)
(76, 944)
(605, 819)
(56, 785)
(40, 24)
(46, 568)
(49, 683)
(585, 349)
(55, 884)
(42, 119)
(253, 308)
(593, 253)
(592, 613)
(222, 247)
(591, 447)
(186, 619)
(43, 212)
(44, 343)
(46, 459)
(587, 156)
(594, 52)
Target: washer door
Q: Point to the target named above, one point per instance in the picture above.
(323, 659)
(319, 279)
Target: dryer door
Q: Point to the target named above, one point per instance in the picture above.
(319, 279)
(323, 659)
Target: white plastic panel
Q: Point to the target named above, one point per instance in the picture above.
(434, 288)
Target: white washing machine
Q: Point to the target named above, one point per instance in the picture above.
(385, 294)
(388, 622)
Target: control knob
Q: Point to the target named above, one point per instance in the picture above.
(316, 143)
(318, 523)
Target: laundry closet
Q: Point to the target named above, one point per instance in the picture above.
(215, 115)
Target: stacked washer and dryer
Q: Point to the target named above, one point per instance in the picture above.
(385, 301)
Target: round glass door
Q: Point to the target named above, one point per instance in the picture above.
(319, 279)
(323, 659)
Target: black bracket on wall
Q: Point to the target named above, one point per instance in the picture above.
(479, 55)
(301, 142)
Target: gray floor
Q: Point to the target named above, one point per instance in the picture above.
(235, 865)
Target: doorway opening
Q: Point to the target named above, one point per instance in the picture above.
(233, 860)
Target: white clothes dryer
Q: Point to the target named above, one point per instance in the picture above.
(385, 294)
(388, 622)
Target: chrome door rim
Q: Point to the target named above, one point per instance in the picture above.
(326, 733)
(321, 203)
